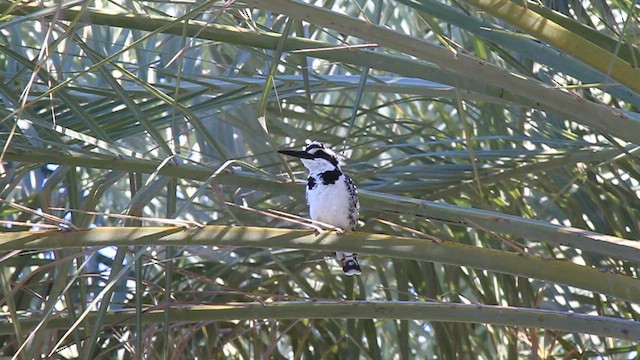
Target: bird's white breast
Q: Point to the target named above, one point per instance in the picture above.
(330, 203)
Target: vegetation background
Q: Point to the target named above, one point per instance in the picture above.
(494, 144)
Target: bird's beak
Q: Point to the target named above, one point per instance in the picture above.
(298, 154)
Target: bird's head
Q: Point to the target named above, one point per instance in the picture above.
(316, 157)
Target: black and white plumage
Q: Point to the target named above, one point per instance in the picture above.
(331, 195)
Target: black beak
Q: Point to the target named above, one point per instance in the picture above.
(298, 154)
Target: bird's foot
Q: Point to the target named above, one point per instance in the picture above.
(319, 229)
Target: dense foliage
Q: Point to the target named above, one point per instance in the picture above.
(493, 144)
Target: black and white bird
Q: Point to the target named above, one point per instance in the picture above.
(331, 195)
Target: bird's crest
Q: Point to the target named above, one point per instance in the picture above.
(312, 145)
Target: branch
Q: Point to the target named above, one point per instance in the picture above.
(556, 271)
(403, 310)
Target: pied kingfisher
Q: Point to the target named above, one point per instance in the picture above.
(331, 195)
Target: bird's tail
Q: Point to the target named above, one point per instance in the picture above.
(350, 264)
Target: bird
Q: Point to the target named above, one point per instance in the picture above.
(331, 195)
